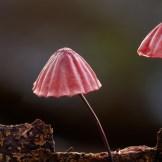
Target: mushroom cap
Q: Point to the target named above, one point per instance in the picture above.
(65, 74)
(151, 46)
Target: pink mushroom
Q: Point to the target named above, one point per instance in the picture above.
(151, 46)
(67, 74)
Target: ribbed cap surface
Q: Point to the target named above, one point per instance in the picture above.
(151, 46)
(66, 74)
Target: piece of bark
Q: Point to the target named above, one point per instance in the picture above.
(24, 138)
(129, 154)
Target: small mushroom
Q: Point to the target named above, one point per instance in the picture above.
(67, 74)
(151, 46)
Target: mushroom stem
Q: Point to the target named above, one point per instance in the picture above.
(105, 140)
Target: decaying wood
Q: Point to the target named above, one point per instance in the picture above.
(24, 138)
(47, 154)
(130, 154)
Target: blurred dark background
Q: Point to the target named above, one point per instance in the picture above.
(107, 34)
